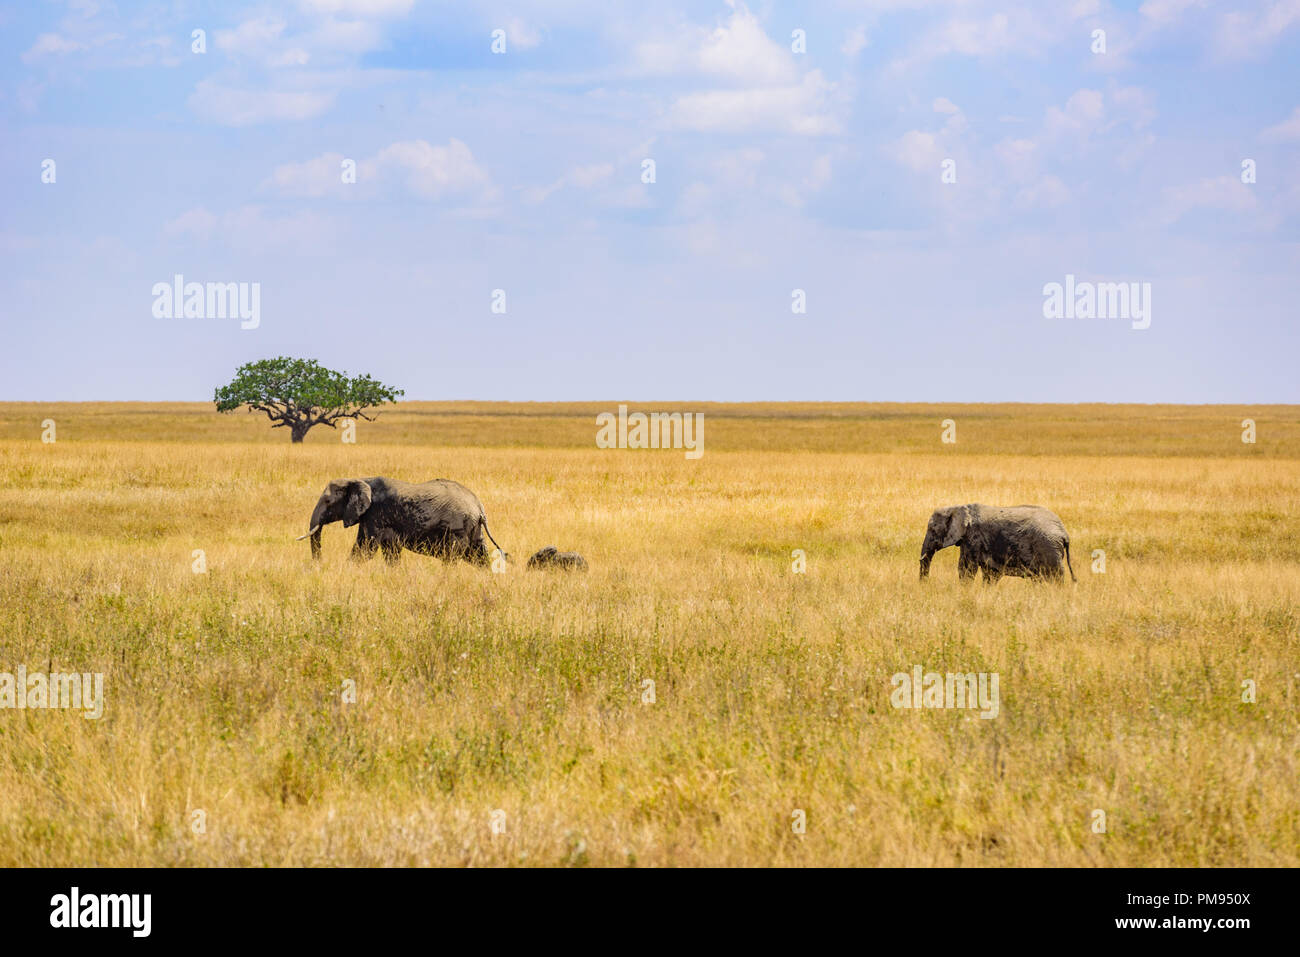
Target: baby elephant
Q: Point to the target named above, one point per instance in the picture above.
(1025, 541)
(552, 557)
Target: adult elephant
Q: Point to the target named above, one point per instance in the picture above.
(441, 518)
(1026, 541)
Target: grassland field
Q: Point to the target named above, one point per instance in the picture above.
(226, 739)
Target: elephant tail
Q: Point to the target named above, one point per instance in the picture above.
(1067, 562)
(483, 522)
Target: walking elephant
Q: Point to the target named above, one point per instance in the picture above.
(441, 518)
(1025, 541)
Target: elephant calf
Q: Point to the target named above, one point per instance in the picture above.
(1025, 541)
(552, 557)
(441, 518)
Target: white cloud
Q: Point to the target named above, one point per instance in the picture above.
(428, 171)
(741, 50)
(598, 179)
(739, 168)
(1245, 35)
(1047, 193)
(266, 40)
(702, 238)
(431, 172)
(348, 37)
(975, 37)
(738, 51)
(855, 42)
(251, 225)
(249, 35)
(1284, 132)
(1019, 156)
(520, 35)
(991, 36)
(923, 151)
(261, 39)
(1086, 115)
(295, 56)
(589, 176)
(243, 93)
(1022, 32)
(1226, 193)
(85, 31)
(360, 8)
(1133, 105)
(193, 222)
(251, 228)
(583, 177)
(313, 177)
(1083, 113)
(244, 107)
(802, 109)
(736, 182)
(28, 95)
(634, 196)
(1137, 147)
(696, 200)
(1089, 112)
(1167, 12)
(918, 151)
(51, 44)
(760, 86)
(819, 176)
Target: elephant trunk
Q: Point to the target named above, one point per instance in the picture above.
(317, 520)
(927, 552)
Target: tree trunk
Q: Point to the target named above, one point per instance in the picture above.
(297, 431)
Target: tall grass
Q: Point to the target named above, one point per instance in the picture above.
(522, 692)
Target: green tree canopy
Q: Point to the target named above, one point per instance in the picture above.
(298, 394)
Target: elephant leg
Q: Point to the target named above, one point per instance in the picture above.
(364, 548)
(991, 575)
(966, 565)
(476, 552)
(391, 546)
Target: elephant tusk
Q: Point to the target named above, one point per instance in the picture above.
(314, 530)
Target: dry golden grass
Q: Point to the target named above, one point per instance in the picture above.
(522, 692)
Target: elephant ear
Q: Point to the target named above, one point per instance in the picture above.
(358, 502)
(958, 521)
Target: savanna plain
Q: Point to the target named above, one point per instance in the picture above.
(226, 737)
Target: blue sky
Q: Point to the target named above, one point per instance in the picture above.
(775, 170)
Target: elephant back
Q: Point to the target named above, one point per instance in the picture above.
(450, 503)
(1035, 518)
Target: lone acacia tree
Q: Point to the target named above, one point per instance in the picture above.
(298, 394)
